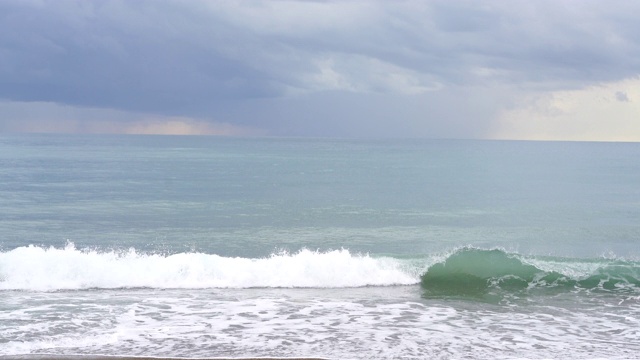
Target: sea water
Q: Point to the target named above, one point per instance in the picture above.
(344, 249)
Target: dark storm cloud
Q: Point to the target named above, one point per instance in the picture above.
(135, 56)
(360, 64)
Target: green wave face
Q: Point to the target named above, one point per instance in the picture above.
(618, 276)
(488, 274)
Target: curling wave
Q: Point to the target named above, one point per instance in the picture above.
(476, 272)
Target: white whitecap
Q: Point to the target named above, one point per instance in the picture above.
(47, 269)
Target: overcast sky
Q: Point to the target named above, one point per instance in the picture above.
(561, 70)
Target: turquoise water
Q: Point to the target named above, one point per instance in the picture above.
(207, 246)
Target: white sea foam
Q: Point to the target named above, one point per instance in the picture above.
(46, 269)
(375, 323)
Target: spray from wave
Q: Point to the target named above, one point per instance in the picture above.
(48, 269)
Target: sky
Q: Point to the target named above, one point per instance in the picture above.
(531, 70)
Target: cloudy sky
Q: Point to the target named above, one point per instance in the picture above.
(550, 70)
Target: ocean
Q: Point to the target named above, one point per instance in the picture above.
(215, 247)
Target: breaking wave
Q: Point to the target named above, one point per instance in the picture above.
(464, 272)
(48, 269)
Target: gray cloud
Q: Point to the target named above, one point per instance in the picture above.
(335, 68)
(622, 96)
(111, 54)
